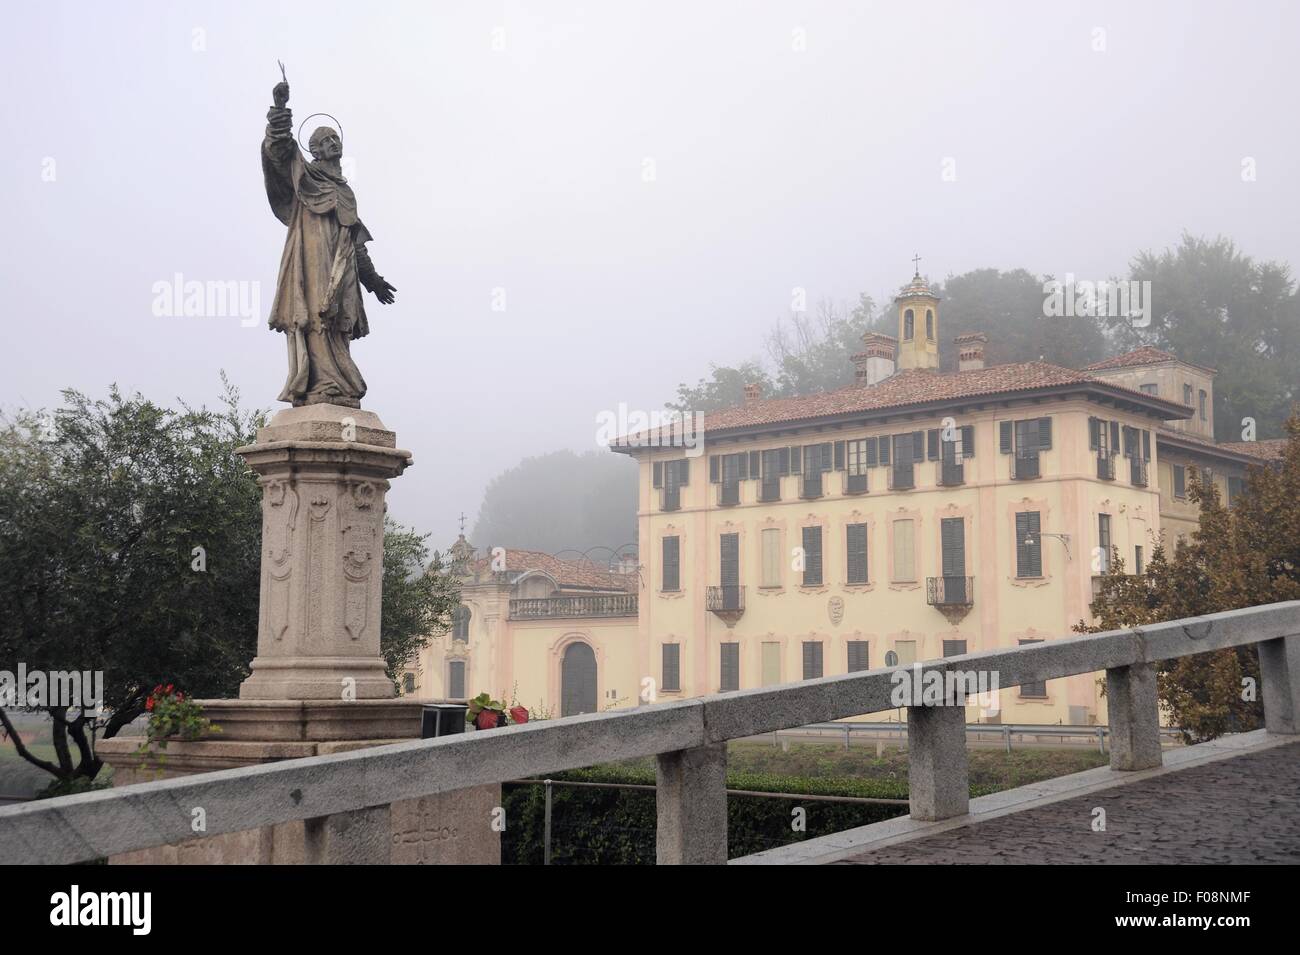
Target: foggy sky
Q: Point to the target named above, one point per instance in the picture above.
(523, 169)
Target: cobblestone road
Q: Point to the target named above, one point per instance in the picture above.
(1243, 809)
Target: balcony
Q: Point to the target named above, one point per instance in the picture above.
(950, 473)
(1106, 466)
(1024, 466)
(728, 493)
(579, 605)
(950, 591)
(769, 490)
(1137, 469)
(810, 487)
(671, 499)
(727, 601)
(902, 477)
(855, 483)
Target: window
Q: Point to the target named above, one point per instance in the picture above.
(1103, 541)
(1187, 394)
(771, 663)
(859, 455)
(904, 550)
(954, 648)
(1202, 405)
(1031, 437)
(1180, 482)
(1151, 389)
(1029, 545)
(812, 556)
(909, 325)
(672, 579)
(728, 470)
(858, 657)
(456, 680)
(408, 682)
(730, 667)
(1038, 689)
(770, 542)
(460, 624)
(929, 325)
(670, 679)
(775, 463)
(1137, 559)
(812, 659)
(906, 650)
(856, 542)
(672, 476)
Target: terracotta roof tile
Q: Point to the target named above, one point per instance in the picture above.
(1146, 355)
(1271, 450)
(566, 572)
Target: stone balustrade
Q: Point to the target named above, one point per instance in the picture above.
(344, 798)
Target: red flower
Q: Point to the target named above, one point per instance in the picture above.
(157, 689)
(148, 704)
(518, 714)
(169, 687)
(487, 719)
(179, 697)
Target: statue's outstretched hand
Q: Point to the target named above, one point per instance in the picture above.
(280, 94)
(384, 292)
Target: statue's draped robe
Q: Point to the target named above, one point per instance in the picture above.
(318, 302)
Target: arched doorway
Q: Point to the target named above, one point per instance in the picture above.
(578, 680)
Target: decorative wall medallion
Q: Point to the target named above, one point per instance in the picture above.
(835, 607)
(358, 547)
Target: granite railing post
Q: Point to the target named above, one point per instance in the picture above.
(938, 769)
(1134, 717)
(1279, 670)
(691, 800)
(358, 837)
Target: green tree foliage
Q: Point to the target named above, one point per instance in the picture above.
(1214, 306)
(419, 596)
(560, 501)
(1242, 556)
(102, 506)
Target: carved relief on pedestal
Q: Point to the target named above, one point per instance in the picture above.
(316, 552)
(280, 510)
(361, 535)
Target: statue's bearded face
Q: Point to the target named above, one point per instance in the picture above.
(325, 144)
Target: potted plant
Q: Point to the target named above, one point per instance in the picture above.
(172, 715)
(485, 713)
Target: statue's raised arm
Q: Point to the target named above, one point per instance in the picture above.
(281, 158)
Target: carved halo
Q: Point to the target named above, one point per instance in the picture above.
(337, 124)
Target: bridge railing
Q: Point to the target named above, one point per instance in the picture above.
(344, 798)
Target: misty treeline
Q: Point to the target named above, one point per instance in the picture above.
(1210, 304)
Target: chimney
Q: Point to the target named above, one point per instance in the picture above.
(876, 362)
(753, 392)
(970, 351)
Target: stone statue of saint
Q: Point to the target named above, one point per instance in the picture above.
(318, 301)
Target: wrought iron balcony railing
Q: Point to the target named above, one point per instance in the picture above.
(1024, 466)
(724, 599)
(729, 493)
(902, 477)
(1137, 470)
(577, 605)
(811, 486)
(671, 499)
(1106, 466)
(855, 483)
(950, 591)
(950, 473)
(769, 489)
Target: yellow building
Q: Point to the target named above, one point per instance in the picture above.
(912, 515)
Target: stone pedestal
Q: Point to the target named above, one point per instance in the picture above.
(324, 473)
(318, 682)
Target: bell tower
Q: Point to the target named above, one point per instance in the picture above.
(918, 324)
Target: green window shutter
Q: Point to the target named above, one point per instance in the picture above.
(796, 459)
(1033, 689)
(1029, 557)
(1180, 481)
(968, 441)
(812, 555)
(812, 659)
(1114, 436)
(1094, 434)
(783, 460)
(859, 658)
(1103, 541)
(856, 557)
(657, 470)
(742, 461)
(884, 451)
(672, 667)
(918, 446)
(1004, 437)
(932, 444)
(871, 452)
(714, 469)
(839, 455)
(954, 648)
(753, 464)
(683, 472)
(1146, 445)
(672, 563)
(1044, 434)
(730, 667)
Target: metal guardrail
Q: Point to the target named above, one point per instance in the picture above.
(687, 737)
(1004, 731)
